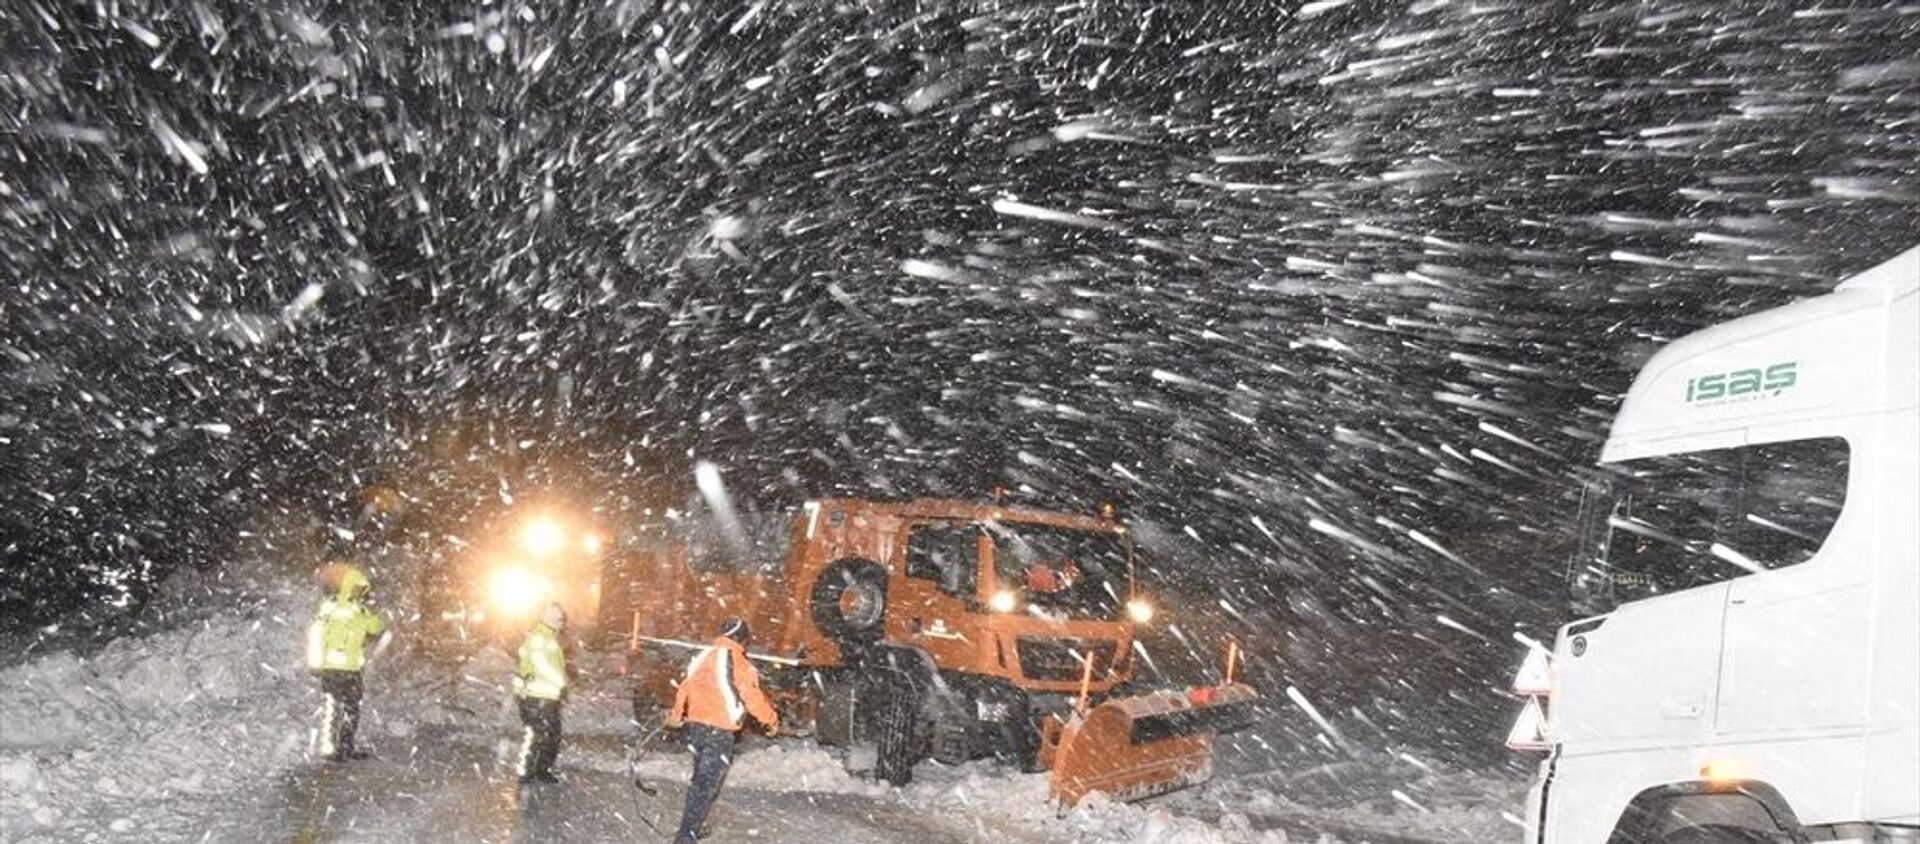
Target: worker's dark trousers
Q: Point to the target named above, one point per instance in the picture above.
(342, 715)
(542, 742)
(712, 755)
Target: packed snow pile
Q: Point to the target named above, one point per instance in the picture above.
(120, 738)
(201, 709)
(1377, 794)
(1460, 807)
(1000, 796)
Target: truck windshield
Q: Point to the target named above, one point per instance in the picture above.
(1663, 524)
(1077, 573)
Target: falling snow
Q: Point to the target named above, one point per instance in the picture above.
(1333, 300)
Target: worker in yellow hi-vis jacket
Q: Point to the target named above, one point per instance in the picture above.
(337, 651)
(541, 687)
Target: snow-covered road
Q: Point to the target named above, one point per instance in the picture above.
(202, 733)
(448, 787)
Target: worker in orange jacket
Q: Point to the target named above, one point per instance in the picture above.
(721, 688)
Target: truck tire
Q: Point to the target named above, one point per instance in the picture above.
(898, 725)
(1019, 743)
(849, 602)
(952, 742)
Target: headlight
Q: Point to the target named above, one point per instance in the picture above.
(1003, 601)
(516, 590)
(542, 536)
(1140, 611)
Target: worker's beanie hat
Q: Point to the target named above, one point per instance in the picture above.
(736, 629)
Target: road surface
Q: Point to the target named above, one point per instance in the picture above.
(443, 785)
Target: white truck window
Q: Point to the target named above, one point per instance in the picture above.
(1791, 498)
(1674, 522)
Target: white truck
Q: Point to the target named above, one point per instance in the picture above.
(1751, 539)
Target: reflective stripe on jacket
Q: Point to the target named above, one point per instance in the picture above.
(337, 638)
(721, 688)
(543, 665)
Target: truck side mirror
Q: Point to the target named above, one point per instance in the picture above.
(1591, 591)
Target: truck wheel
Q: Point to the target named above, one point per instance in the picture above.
(952, 743)
(1020, 743)
(898, 723)
(849, 602)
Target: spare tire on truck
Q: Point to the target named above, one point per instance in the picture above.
(849, 602)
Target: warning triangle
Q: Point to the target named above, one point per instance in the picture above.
(1536, 673)
(1530, 729)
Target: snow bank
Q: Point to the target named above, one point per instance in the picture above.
(1020, 800)
(1381, 795)
(112, 739)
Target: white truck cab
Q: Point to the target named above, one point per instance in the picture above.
(1751, 538)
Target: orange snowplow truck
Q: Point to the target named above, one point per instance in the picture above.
(943, 629)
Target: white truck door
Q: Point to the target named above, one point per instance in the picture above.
(1642, 677)
(1797, 652)
(1796, 655)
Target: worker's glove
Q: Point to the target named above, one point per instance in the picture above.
(773, 729)
(674, 722)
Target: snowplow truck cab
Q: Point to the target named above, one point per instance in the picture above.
(929, 628)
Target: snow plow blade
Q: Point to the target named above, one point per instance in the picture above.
(1133, 748)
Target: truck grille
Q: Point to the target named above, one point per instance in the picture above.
(1059, 659)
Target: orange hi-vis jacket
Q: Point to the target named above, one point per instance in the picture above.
(721, 688)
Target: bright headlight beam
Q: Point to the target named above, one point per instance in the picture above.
(515, 590)
(1003, 601)
(542, 536)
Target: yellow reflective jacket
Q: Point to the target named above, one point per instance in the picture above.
(543, 665)
(337, 638)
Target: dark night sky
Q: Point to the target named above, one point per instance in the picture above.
(1296, 282)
